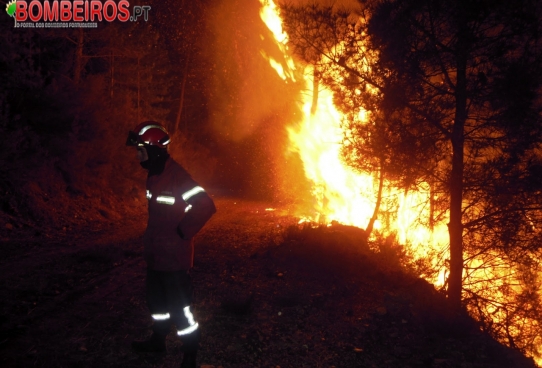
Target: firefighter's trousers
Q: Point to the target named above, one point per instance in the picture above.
(169, 295)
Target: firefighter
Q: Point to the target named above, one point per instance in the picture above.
(178, 209)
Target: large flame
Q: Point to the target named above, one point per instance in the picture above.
(340, 193)
(348, 197)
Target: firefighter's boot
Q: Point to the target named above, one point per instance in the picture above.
(190, 349)
(189, 359)
(155, 344)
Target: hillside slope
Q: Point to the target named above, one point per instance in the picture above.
(268, 293)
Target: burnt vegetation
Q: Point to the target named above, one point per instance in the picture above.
(452, 93)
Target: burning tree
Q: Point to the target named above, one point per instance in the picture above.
(317, 33)
(448, 94)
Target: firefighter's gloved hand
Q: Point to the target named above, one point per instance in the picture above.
(179, 232)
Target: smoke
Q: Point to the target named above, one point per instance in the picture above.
(245, 90)
(250, 105)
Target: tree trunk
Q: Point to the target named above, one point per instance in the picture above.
(138, 89)
(77, 72)
(181, 102)
(112, 81)
(431, 208)
(372, 221)
(455, 227)
(78, 67)
(315, 83)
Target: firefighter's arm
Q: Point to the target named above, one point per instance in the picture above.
(200, 209)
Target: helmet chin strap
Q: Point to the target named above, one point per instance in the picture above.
(152, 158)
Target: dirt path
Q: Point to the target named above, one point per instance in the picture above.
(265, 297)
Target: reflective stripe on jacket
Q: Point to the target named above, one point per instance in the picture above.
(175, 200)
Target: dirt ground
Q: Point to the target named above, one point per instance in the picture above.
(269, 293)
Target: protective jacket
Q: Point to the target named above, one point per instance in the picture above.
(178, 209)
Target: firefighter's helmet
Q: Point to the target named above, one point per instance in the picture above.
(148, 133)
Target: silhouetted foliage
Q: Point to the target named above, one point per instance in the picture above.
(452, 93)
(69, 96)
